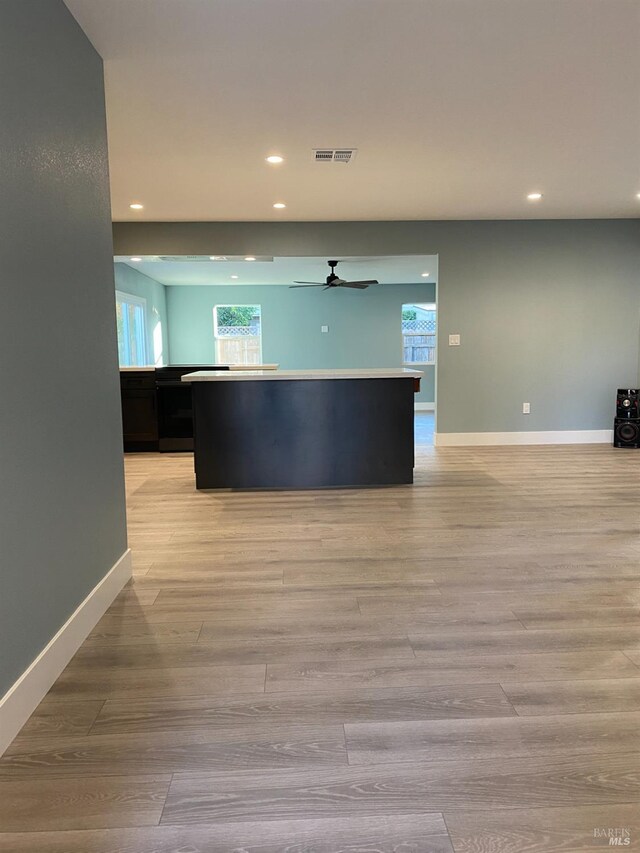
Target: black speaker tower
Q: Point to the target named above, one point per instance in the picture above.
(628, 403)
(626, 427)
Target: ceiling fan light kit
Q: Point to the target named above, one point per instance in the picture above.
(334, 280)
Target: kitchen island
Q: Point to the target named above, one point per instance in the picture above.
(303, 429)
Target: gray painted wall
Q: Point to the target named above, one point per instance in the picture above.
(548, 311)
(62, 520)
(136, 283)
(364, 326)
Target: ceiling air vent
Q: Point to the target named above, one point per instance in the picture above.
(334, 155)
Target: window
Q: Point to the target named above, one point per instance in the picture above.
(237, 331)
(131, 315)
(419, 334)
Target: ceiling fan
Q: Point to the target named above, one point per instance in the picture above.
(334, 280)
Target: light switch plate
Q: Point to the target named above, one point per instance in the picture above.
(324, 329)
(454, 340)
(526, 408)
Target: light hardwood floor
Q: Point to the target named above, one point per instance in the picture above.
(453, 666)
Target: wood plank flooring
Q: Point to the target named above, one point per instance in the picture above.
(452, 667)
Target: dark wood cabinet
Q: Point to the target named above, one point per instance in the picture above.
(131, 381)
(139, 418)
(157, 412)
(304, 433)
(139, 411)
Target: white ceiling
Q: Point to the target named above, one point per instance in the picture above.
(458, 108)
(404, 269)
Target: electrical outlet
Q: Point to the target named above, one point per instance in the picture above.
(454, 340)
(324, 329)
(526, 408)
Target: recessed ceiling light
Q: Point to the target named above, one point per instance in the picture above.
(279, 205)
(234, 276)
(637, 195)
(136, 206)
(249, 258)
(425, 275)
(136, 259)
(534, 196)
(274, 159)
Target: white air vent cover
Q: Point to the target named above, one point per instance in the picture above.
(334, 155)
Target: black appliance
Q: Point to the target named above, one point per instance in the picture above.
(175, 409)
(628, 403)
(626, 433)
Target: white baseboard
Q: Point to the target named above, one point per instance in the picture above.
(21, 700)
(569, 436)
(424, 407)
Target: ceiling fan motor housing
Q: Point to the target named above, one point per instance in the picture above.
(334, 280)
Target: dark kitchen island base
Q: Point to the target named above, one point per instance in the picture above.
(303, 433)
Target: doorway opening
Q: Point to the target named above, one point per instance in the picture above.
(419, 328)
(207, 311)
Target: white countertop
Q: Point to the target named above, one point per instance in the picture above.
(149, 368)
(136, 369)
(348, 373)
(254, 366)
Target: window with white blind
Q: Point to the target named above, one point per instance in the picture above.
(131, 321)
(419, 333)
(237, 330)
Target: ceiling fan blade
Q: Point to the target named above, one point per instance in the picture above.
(366, 283)
(309, 282)
(355, 285)
(294, 286)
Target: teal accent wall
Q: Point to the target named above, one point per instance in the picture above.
(548, 310)
(62, 510)
(364, 325)
(136, 283)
